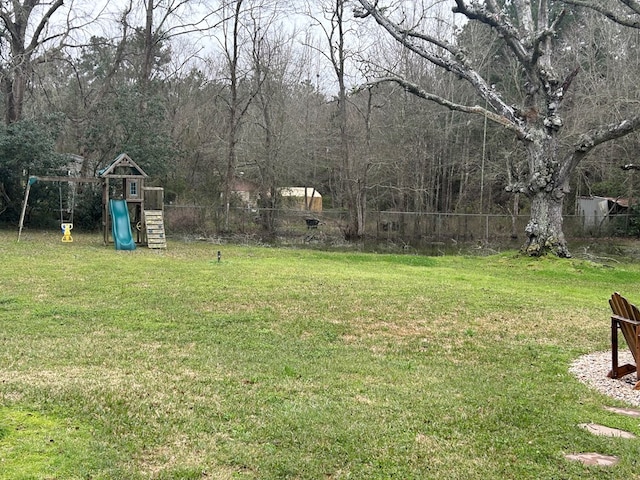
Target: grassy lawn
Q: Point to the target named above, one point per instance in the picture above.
(278, 363)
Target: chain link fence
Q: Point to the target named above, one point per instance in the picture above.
(422, 231)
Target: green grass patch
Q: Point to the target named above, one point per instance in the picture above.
(33, 445)
(277, 363)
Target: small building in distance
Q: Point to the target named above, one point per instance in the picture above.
(301, 198)
(246, 192)
(596, 210)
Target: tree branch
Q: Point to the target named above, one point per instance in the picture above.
(35, 39)
(455, 63)
(421, 93)
(543, 35)
(612, 131)
(628, 20)
(591, 139)
(494, 19)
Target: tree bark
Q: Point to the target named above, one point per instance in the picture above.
(544, 231)
(14, 88)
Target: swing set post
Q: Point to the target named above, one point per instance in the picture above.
(31, 181)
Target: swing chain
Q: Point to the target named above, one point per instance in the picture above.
(73, 203)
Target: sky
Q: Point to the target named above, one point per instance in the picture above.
(304, 35)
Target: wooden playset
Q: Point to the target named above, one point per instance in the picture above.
(132, 214)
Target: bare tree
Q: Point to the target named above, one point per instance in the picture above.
(534, 116)
(25, 35)
(338, 56)
(239, 28)
(236, 104)
(271, 58)
(165, 20)
(334, 23)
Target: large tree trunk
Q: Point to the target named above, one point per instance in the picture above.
(544, 230)
(546, 189)
(14, 89)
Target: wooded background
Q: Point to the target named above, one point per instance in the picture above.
(202, 94)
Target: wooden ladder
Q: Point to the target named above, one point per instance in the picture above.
(154, 222)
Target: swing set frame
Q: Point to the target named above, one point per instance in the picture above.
(37, 178)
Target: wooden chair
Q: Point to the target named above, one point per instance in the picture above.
(625, 317)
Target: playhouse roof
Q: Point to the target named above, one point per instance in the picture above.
(123, 161)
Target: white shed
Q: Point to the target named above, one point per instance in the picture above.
(303, 198)
(596, 210)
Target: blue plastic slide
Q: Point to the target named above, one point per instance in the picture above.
(121, 228)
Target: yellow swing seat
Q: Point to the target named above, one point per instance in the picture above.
(66, 232)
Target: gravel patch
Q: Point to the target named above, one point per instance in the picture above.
(592, 370)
